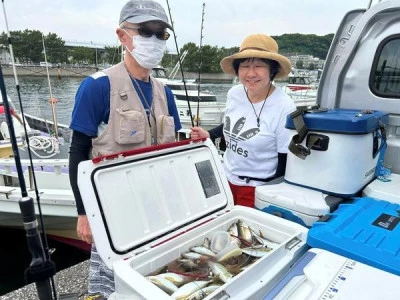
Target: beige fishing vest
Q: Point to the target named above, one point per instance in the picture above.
(128, 126)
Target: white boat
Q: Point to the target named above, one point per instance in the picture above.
(49, 169)
(301, 89)
(207, 112)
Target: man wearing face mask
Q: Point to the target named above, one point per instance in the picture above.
(122, 108)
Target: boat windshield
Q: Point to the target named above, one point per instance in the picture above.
(158, 73)
(299, 80)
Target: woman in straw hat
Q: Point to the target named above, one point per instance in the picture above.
(255, 117)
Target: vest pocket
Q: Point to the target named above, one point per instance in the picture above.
(165, 129)
(129, 127)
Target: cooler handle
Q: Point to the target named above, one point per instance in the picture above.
(292, 280)
(295, 145)
(318, 142)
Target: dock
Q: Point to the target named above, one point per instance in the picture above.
(71, 284)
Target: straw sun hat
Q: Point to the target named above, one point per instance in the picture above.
(260, 46)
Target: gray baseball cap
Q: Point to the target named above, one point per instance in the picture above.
(139, 11)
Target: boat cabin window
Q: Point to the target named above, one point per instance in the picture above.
(385, 75)
(299, 80)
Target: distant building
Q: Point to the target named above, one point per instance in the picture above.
(307, 60)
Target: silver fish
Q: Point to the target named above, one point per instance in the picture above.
(219, 270)
(164, 284)
(244, 231)
(233, 231)
(202, 250)
(176, 279)
(263, 241)
(257, 251)
(189, 288)
(195, 256)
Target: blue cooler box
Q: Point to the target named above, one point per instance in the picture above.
(366, 230)
(334, 138)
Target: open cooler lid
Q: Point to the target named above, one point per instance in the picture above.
(346, 121)
(134, 202)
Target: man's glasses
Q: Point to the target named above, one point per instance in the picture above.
(146, 32)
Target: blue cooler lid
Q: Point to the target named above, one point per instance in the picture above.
(347, 121)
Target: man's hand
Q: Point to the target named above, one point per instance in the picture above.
(83, 229)
(198, 133)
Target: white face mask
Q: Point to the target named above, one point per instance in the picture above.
(148, 52)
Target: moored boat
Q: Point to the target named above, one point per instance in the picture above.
(48, 171)
(206, 110)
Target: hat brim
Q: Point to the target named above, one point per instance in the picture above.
(284, 62)
(142, 19)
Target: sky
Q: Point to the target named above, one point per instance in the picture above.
(225, 22)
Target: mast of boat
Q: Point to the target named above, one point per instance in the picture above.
(180, 65)
(41, 268)
(52, 100)
(200, 65)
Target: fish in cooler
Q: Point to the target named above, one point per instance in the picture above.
(219, 269)
(255, 272)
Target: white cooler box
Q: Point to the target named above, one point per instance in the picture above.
(384, 190)
(343, 149)
(147, 209)
(321, 274)
(298, 204)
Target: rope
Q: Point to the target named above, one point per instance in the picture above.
(47, 144)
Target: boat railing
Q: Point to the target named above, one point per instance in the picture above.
(43, 169)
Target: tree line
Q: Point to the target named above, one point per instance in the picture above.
(28, 48)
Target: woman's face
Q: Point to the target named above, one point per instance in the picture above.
(254, 74)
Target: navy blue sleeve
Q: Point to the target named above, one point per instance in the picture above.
(79, 150)
(216, 132)
(173, 111)
(92, 104)
(281, 168)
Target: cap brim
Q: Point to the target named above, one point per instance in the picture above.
(284, 62)
(142, 19)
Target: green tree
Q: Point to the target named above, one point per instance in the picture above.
(191, 61)
(56, 51)
(27, 45)
(112, 54)
(81, 55)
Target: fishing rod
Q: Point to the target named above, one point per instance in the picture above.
(180, 64)
(41, 268)
(53, 100)
(200, 65)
